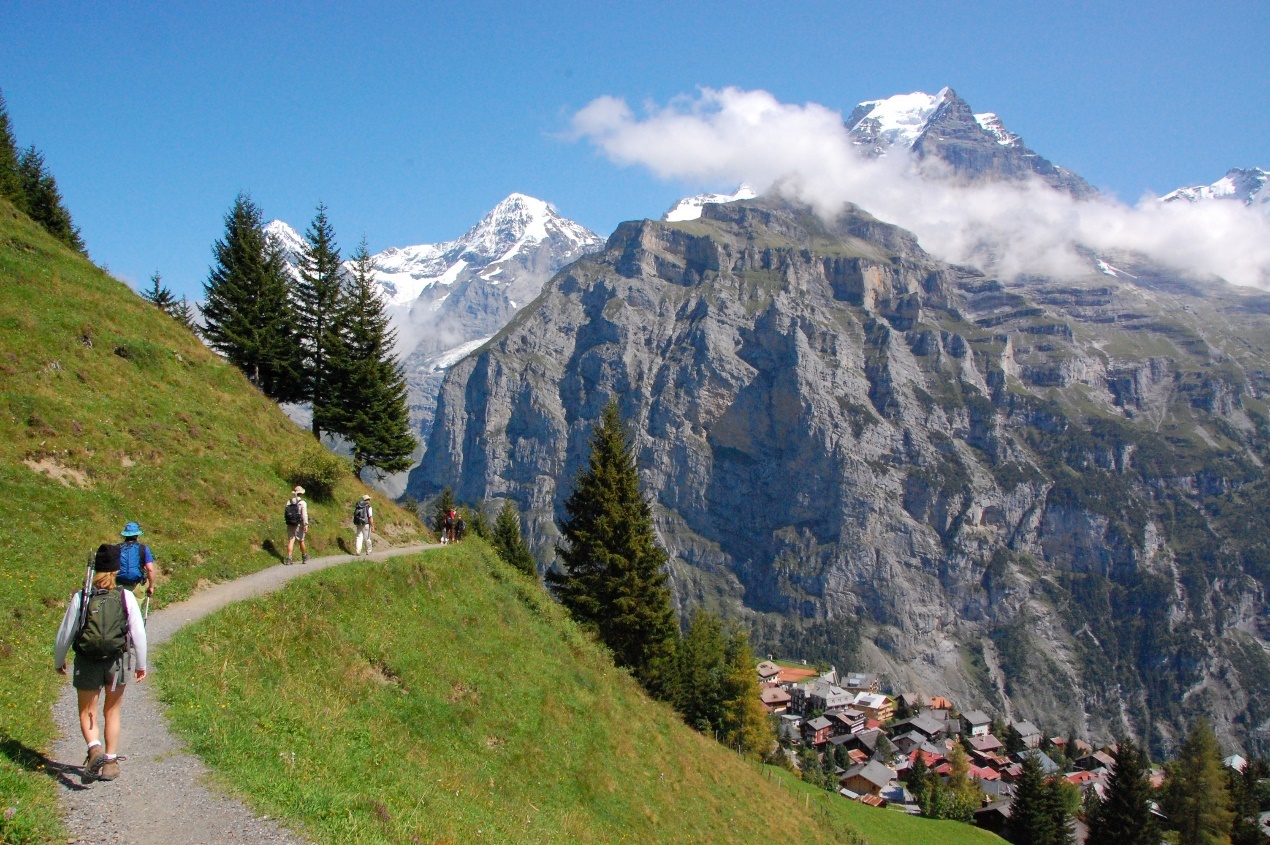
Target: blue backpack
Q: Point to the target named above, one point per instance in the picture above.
(132, 569)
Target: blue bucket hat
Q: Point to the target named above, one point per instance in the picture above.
(132, 529)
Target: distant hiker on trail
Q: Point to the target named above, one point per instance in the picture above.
(296, 514)
(109, 639)
(136, 561)
(363, 522)
(459, 527)
(447, 527)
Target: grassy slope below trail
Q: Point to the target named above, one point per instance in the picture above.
(169, 436)
(444, 698)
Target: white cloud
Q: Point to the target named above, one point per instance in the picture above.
(724, 137)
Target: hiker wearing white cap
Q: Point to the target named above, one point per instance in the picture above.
(363, 523)
(296, 514)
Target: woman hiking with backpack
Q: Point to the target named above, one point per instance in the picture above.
(109, 640)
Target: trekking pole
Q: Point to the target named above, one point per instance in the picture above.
(146, 615)
(87, 591)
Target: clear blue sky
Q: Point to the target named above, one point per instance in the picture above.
(411, 120)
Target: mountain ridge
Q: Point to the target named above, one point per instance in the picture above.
(871, 456)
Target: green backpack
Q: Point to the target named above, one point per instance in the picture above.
(104, 634)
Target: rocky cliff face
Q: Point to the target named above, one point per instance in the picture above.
(1044, 498)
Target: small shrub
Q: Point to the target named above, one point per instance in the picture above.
(317, 471)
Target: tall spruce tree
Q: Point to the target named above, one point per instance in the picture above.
(1124, 816)
(611, 579)
(319, 303)
(1196, 799)
(368, 388)
(44, 201)
(508, 541)
(744, 725)
(247, 310)
(1031, 816)
(1248, 789)
(10, 182)
(702, 669)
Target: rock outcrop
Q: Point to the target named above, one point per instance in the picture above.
(1044, 498)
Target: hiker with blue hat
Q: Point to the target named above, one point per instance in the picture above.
(136, 562)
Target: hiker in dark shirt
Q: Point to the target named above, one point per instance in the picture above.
(459, 527)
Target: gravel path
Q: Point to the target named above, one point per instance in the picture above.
(162, 796)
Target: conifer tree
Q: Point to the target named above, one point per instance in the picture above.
(158, 294)
(1196, 799)
(478, 522)
(508, 541)
(367, 388)
(1246, 791)
(744, 724)
(1124, 817)
(10, 182)
(183, 313)
(611, 578)
(44, 201)
(702, 666)
(247, 310)
(319, 302)
(1031, 816)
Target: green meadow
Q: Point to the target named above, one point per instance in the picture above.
(110, 411)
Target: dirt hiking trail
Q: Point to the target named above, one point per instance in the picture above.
(162, 796)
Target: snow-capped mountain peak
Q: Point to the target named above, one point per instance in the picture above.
(288, 239)
(689, 208)
(1250, 185)
(895, 121)
(512, 228)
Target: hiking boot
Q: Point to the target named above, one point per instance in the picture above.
(288, 561)
(110, 770)
(304, 559)
(93, 762)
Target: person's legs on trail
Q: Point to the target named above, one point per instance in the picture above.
(114, 718)
(88, 721)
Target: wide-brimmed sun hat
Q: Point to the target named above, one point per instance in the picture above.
(365, 497)
(299, 491)
(132, 529)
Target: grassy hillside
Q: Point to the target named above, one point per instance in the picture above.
(109, 412)
(445, 698)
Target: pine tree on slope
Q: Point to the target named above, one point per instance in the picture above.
(368, 387)
(10, 182)
(1124, 817)
(702, 668)
(508, 541)
(1031, 822)
(319, 301)
(44, 201)
(247, 308)
(612, 578)
(158, 294)
(1196, 800)
(744, 725)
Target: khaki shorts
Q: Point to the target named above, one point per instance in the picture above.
(295, 532)
(91, 674)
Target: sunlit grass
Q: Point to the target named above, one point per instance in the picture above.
(444, 697)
